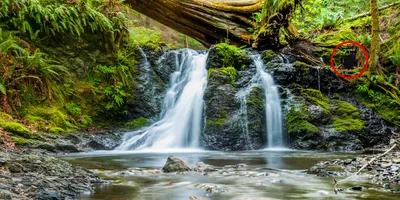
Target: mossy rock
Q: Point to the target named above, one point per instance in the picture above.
(297, 121)
(217, 77)
(316, 97)
(5, 116)
(268, 55)
(229, 71)
(217, 121)
(137, 123)
(51, 116)
(226, 55)
(347, 124)
(16, 129)
(21, 141)
(57, 130)
(344, 108)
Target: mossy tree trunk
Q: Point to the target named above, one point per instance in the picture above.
(373, 66)
(212, 21)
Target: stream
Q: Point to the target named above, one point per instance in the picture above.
(270, 174)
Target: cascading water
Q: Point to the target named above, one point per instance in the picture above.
(273, 111)
(181, 119)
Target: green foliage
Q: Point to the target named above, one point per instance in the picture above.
(15, 128)
(326, 14)
(36, 17)
(117, 95)
(137, 123)
(231, 56)
(73, 109)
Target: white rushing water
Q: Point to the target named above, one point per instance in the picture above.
(273, 111)
(181, 119)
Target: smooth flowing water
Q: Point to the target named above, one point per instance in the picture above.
(268, 175)
(181, 121)
(273, 110)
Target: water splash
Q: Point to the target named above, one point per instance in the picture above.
(181, 121)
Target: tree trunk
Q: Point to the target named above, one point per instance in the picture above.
(213, 21)
(375, 37)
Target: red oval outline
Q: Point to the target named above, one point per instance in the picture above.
(333, 64)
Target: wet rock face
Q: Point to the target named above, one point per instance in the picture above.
(175, 164)
(149, 84)
(322, 111)
(225, 118)
(42, 177)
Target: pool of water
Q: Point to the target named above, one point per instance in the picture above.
(269, 175)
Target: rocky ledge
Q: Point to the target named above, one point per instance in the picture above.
(42, 177)
(384, 170)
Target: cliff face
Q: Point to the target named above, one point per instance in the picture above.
(320, 110)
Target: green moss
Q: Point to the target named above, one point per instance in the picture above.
(302, 65)
(344, 108)
(335, 38)
(317, 98)
(137, 123)
(217, 121)
(5, 116)
(52, 116)
(146, 37)
(231, 72)
(16, 128)
(346, 116)
(57, 130)
(231, 56)
(347, 124)
(33, 119)
(268, 55)
(24, 141)
(383, 105)
(297, 121)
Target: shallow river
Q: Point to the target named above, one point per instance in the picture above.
(269, 175)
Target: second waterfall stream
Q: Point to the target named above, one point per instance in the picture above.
(182, 121)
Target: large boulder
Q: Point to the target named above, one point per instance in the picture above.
(175, 164)
(234, 111)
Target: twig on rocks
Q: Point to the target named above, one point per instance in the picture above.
(363, 167)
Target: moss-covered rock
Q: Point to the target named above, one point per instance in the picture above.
(52, 117)
(137, 123)
(297, 121)
(57, 130)
(226, 55)
(15, 128)
(316, 97)
(268, 55)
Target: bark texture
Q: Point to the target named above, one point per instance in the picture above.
(212, 21)
(375, 36)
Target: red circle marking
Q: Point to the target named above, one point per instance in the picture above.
(366, 58)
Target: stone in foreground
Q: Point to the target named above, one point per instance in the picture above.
(175, 164)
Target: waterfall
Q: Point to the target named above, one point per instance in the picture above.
(273, 110)
(180, 122)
